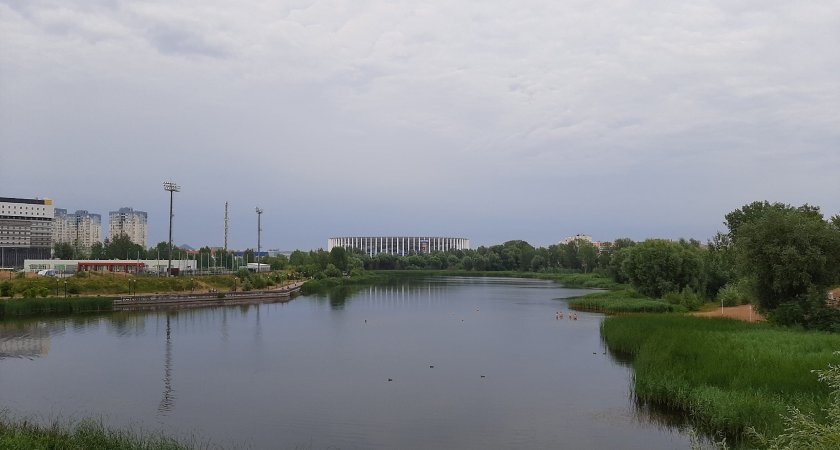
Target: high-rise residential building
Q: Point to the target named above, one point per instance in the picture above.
(129, 222)
(25, 230)
(81, 228)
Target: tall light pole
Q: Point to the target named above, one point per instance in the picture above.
(259, 214)
(172, 188)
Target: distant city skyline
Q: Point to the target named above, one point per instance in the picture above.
(532, 120)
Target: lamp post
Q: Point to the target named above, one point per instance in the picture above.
(65, 290)
(259, 214)
(172, 188)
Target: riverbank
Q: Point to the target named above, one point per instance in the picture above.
(723, 375)
(745, 313)
(620, 302)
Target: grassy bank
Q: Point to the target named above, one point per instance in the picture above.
(31, 306)
(111, 284)
(726, 375)
(88, 435)
(623, 301)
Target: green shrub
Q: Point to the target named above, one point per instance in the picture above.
(6, 289)
(688, 299)
(733, 294)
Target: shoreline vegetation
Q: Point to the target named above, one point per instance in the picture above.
(726, 376)
(22, 434)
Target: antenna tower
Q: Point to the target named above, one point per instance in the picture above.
(226, 225)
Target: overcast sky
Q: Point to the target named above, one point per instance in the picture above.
(491, 120)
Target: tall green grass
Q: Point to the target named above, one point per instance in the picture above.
(88, 435)
(25, 307)
(726, 375)
(624, 301)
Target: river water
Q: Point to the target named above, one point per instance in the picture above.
(349, 370)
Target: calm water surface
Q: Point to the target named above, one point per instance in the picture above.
(314, 373)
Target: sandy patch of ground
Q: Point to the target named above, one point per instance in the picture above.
(743, 312)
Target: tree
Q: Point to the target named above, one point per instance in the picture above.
(298, 258)
(790, 254)
(657, 267)
(121, 247)
(97, 251)
(617, 256)
(159, 251)
(338, 258)
(63, 250)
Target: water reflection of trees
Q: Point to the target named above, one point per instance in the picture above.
(387, 293)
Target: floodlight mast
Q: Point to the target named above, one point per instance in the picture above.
(172, 188)
(259, 229)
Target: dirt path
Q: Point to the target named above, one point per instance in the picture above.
(743, 312)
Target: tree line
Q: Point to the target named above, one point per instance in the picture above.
(781, 258)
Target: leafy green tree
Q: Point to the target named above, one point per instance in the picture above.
(97, 251)
(792, 255)
(121, 247)
(160, 251)
(338, 258)
(587, 255)
(657, 267)
(298, 258)
(332, 271)
(63, 250)
(617, 256)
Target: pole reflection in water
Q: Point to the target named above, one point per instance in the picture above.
(167, 403)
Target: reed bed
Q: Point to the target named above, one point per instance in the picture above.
(726, 375)
(623, 301)
(25, 307)
(88, 435)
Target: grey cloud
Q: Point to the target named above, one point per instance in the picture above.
(628, 118)
(171, 40)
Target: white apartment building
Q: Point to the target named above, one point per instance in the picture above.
(25, 230)
(80, 228)
(129, 222)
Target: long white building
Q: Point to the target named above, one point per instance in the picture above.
(399, 245)
(129, 222)
(79, 228)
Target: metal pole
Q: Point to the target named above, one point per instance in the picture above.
(172, 188)
(259, 229)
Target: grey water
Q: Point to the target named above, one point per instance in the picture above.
(445, 363)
